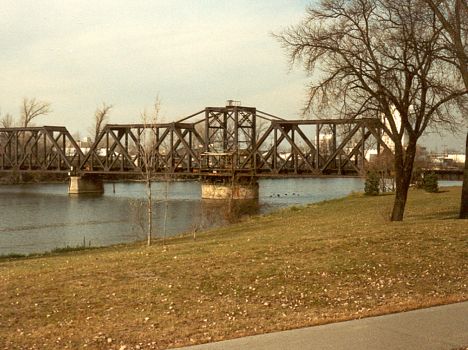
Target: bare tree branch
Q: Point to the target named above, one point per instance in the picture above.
(101, 116)
(387, 57)
(7, 121)
(453, 16)
(31, 109)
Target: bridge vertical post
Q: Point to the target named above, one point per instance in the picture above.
(171, 153)
(275, 150)
(225, 131)
(64, 147)
(108, 163)
(236, 138)
(207, 137)
(17, 142)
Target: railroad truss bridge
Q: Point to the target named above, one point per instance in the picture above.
(232, 144)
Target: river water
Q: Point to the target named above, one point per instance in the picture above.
(37, 218)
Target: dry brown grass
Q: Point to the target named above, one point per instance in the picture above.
(331, 261)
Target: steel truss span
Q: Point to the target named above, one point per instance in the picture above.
(217, 141)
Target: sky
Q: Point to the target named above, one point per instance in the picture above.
(77, 54)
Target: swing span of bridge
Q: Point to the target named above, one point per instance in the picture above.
(214, 142)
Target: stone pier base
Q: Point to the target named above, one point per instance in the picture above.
(85, 185)
(226, 191)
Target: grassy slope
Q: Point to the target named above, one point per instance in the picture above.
(330, 261)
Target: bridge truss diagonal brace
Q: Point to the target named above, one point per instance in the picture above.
(296, 149)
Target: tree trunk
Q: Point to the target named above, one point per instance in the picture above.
(464, 196)
(403, 170)
(401, 194)
(166, 207)
(150, 211)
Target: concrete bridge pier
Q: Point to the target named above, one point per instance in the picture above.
(85, 185)
(228, 189)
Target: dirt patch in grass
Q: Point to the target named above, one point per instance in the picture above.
(322, 263)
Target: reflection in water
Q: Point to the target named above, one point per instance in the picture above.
(215, 212)
(41, 217)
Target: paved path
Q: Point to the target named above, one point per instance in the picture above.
(441, 327)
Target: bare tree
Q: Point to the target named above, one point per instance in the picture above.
(453, 16)
(7, 121)
(378, 57)
(101, 116)
(31, 109)
(148, 157)
(261, 127)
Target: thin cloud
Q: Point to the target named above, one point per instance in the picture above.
(79, 53)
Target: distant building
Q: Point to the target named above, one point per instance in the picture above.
(447, 160)
(84, 144)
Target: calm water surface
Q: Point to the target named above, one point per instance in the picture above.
(40, 217)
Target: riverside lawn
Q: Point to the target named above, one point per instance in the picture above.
(326, 262)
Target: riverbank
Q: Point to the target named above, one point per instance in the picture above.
(40, 218)
(326, 262)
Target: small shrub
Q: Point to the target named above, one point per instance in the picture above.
(371, 187)
(417, 178)
(430, 183)
(68, 248)
(295, 208)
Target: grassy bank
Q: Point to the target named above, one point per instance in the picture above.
(331, 261)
